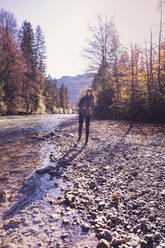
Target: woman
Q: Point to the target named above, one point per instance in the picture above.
(85, 109)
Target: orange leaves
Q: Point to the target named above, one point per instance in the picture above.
(114, 195)
(115, 198)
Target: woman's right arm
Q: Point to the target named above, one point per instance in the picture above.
(80, 103)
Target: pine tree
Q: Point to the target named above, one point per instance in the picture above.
(27, 44)
(40, 50)
(63, 93)
(32, 87)
(66, 97)
(51, 94)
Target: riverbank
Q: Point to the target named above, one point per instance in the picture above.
(113, 190)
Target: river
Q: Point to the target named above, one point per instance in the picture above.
(22, 146)
(27, 217)
(16, 127)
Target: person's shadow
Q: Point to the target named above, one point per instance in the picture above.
(39, 183)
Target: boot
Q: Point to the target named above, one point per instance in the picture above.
(87, 136)
(80, 132)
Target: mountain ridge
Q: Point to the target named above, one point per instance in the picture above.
(75, 84)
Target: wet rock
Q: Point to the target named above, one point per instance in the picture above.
(152, 217)
(157, 237)
(69, 198)
(12, 224)
(66, 221)
(162, 245)
(56, 184)
(101, 205)
(132, 240)
(104, 234)
(54, 216)
(162, 193)
(117, 241)
(103, 243)
(2, 196)
(92, 185)
(149, 239)
(85, 227)
(113, 217)
(64, 235)
(143, 244)
(47, 169)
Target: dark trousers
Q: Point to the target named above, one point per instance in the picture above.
(81, 121)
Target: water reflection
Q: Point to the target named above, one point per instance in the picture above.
(13, 127)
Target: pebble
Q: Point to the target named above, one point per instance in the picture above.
(54, 216)
(65, 221)
(92, 185)
(104, 234)
(162, 193)
(85, 227)
(69, 198)
(114, 187)
(2, 196)
(103, 243)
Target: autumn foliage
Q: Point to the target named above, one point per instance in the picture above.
(24, 86)
(130, 81)
(12, 72)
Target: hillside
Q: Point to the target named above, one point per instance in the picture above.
(76, 84)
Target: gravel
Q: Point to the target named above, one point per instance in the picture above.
(109, 193)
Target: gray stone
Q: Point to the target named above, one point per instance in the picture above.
(2, 196)
(104, 234)
(69, 198)
(65, 221)
(103, 243)
(63, 236)
(101, 205)
(117, 241)
(85, 227)
(92, 185)
(162, 193)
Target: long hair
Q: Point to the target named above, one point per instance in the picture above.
(90, 98)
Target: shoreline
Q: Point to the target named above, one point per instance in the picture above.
(114, 186)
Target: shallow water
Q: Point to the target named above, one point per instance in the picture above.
(20, 146)
(22, 153)
(13, 127)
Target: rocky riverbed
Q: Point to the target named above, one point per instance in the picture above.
(110, 193)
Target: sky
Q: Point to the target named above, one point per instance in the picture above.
(65, 26)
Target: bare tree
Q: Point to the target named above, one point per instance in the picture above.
(151, 62)
(100, 47)
(148, 76)
(161, 2)
(8, 22)
(132, 75)
(115, 65)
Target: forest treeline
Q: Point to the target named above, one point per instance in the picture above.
(24, 86)
(129, 81)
